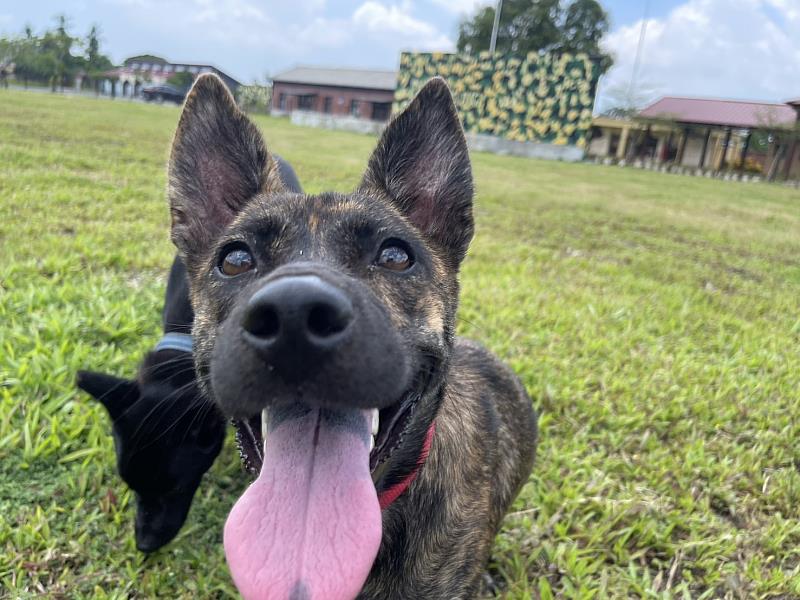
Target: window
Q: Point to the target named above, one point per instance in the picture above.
(306, 102)
(167, 68)
(354, 107)
(380, 111)
(327, 104)
(282, 101)
(194, 69)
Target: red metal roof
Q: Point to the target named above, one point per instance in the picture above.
(732, 113)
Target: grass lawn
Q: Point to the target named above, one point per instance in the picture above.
(654, 320)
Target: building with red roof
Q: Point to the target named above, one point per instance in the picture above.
(707, 134)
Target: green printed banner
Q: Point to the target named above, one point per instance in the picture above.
(541, 98)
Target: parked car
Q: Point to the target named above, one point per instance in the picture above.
(161, 93)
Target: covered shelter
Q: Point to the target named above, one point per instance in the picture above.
(707, 135)
(759, 137)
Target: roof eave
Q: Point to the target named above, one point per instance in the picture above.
(335, 85)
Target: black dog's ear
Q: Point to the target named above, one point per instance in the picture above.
(422, 164)
(218, 162)
(115, 393)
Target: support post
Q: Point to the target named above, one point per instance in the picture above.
(640, 147)
(705, 148)
(789, 160)
(665, 151)
(682, 147)
(725, 146)
(745, 149)
(623, 142)
(777, 154)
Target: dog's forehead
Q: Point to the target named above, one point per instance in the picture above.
(319, 213)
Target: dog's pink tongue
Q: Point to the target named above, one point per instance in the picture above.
(309, 527)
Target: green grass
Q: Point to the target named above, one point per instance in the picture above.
(654, 320)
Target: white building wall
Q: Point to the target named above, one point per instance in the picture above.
(600, 145)
(693, 150)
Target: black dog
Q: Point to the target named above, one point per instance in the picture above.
(166, 434)
(393, 449)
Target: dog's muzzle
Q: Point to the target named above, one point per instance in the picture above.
(296, 320)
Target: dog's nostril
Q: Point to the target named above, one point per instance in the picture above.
(263, 323)
(325, 320)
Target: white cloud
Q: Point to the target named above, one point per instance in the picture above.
(789, 8)
(371, 25)
(463, 7)
(250, 37)
(725, 48)
(325, 33)
(133, 3)
(223, 12)
(378, 19)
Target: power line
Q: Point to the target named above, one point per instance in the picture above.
(638, 60)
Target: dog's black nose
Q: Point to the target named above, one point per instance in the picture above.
(294, 319)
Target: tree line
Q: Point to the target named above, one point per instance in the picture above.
(54, 57)
(539, 26)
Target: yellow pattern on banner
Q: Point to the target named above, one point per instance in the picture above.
(541, 98)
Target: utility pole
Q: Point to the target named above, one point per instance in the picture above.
(496, 26)
(637, 62)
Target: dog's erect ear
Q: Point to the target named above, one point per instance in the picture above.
(218, 162)
(422, 163)
(115, 393)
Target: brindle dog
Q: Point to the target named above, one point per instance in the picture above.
(328, 322)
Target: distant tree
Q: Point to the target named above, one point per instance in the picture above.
(474, 34)
(539, 26)
(56, 54)
(622, 102)
(525, 26)
(585, 25)
(780, 140)
(145, 58)
(93, 45)
(182, 80)
(6, 61)
(50, 57)
(95, 62)
(26, 59)
(7, 52)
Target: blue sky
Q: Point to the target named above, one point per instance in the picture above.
(725, 48)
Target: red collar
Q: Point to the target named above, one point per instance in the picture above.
(392, 493)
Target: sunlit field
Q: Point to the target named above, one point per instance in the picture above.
(654, 320)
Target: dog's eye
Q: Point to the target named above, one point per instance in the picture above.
(395, 256)
(236, 261)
